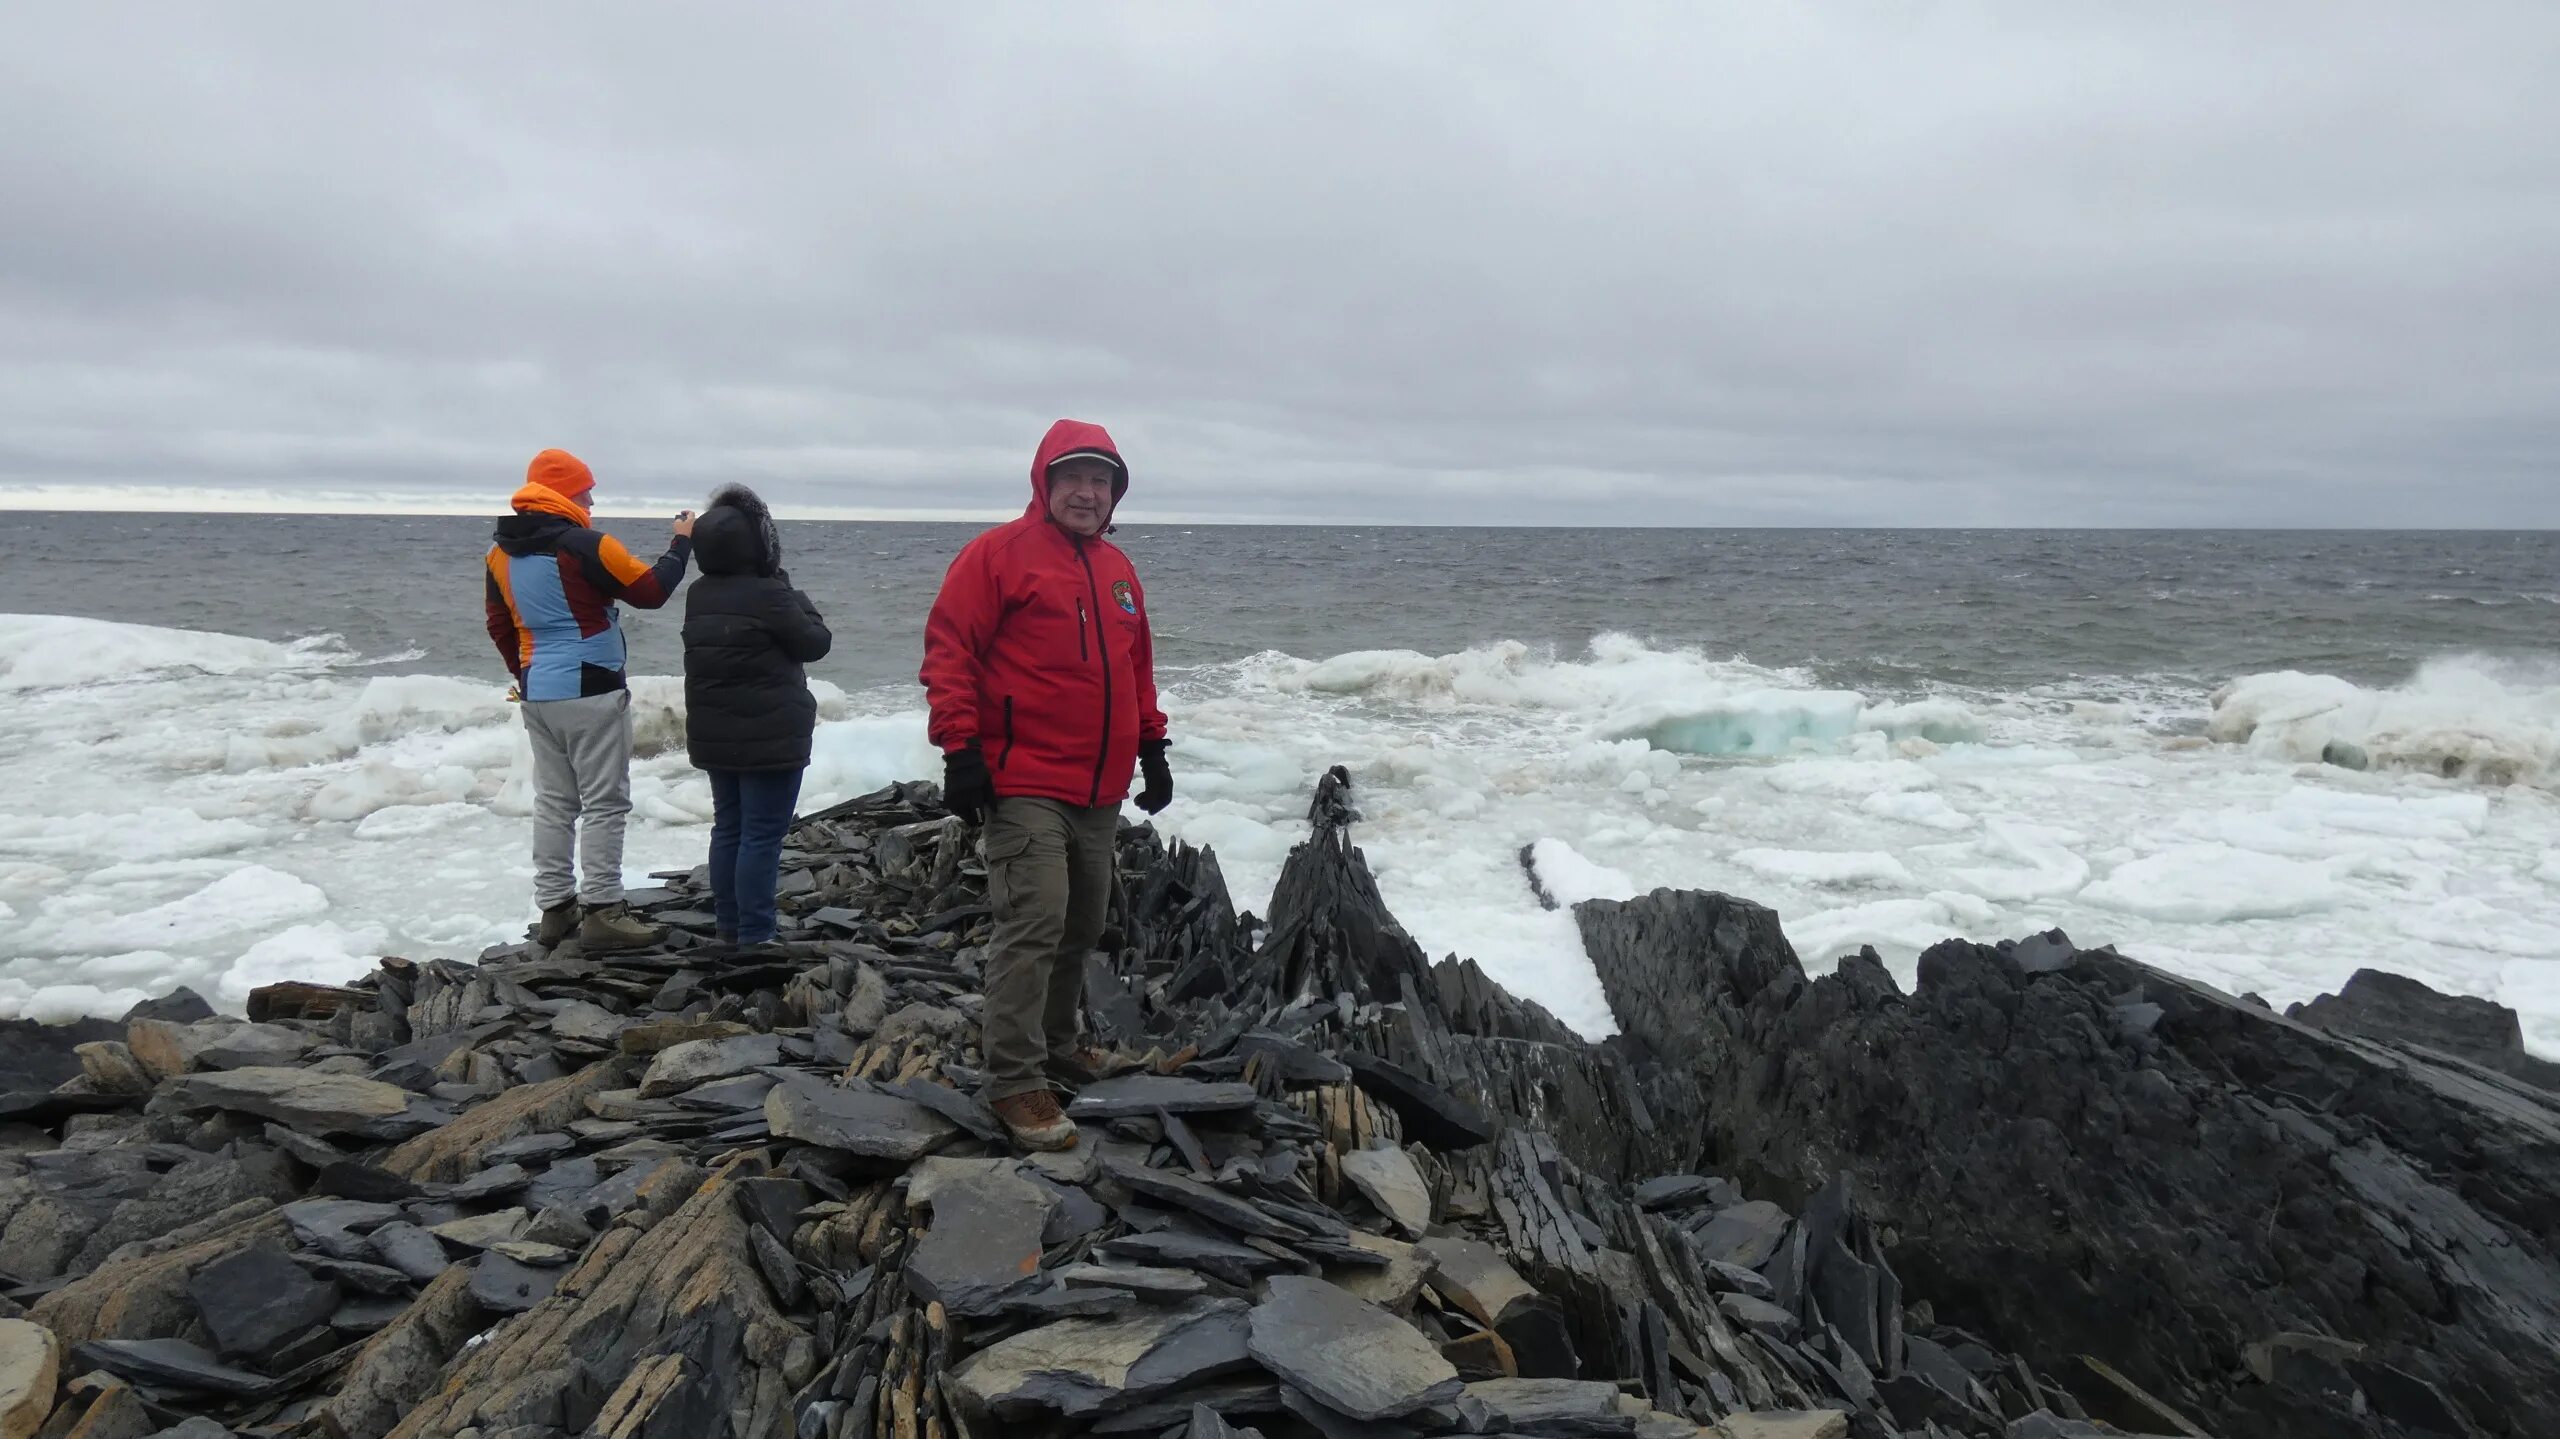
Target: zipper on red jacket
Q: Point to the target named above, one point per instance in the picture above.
(1102, 756)
(1006, 753)
(1082, 653)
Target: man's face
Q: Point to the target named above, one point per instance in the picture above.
(1080, 495)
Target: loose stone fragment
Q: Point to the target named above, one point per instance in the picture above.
(1432, 1117)
(312, 1102)
(1346, 1352)
(1781, 1424)
(1237, 1264)
(1078, 1367)
(1387, 1177)
(867, 1125)
(254, 1300)
(479, 1231)
(1227, 1210)
(171, 1364)
(1746, 1235)
(1553, 1406)
(1158, 1286)
(701, 1061)
(508, 1287)
(409, 1249)
(1684, 1191)
(1757, 1314)
(30, 1366)
(1392, 1285)
(984, 1243)
(1136, 1095)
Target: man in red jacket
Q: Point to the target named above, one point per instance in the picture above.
(1040, 670)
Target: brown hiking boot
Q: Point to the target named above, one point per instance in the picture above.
(1035, 1121)
(614, 926)
(1085, 1064)
(558, 923)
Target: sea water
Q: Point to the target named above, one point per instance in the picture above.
(239, 749)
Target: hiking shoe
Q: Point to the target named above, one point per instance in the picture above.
(558, 923)
(1085, 1065)
(1035, 1121)
(614, 926)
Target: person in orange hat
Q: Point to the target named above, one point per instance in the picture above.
(552, 582)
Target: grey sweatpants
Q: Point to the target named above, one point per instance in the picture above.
(581, 795)
(1049, 876)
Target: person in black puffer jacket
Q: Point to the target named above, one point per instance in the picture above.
(748, 710)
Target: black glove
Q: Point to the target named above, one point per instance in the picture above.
(967, 789)
(1159, 776)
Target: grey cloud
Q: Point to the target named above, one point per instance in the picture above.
(1859, 264)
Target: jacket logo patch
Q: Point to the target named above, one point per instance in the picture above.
(1127, 597)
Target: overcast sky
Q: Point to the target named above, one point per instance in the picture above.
(1481, 263)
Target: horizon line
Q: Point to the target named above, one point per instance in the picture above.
(160, 502)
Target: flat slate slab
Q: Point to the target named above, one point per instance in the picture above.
(1160, 1286)
(1432, 1116)
(253, 1300)
(1746, 1235)
(984, 1244)
(700, 1061)
(1076, 1368)
(1474, 1276)
(169, 1364)
(1387, 1178)
(1132, 1095)
(1228, 1211)
(409, 1249)
(311, 1101)
(1553, 1406)
(509, 1286)
(1237, 1264)
(859, 1122)
(1348, 1353)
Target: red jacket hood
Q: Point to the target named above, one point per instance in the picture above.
(1065, 438)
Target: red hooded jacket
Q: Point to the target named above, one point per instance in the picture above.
(1038, 649)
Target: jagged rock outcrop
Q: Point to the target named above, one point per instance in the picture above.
(2266, 1228)
(2400, 1010)
(1329, 1189)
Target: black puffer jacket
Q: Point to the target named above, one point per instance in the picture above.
(747, 632)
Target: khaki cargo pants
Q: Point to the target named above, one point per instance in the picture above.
(1050, 870)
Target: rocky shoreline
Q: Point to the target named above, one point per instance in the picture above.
(1338, 1191)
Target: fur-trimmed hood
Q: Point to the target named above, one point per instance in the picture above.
(736, 535)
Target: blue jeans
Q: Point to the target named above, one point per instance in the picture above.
(750, 809)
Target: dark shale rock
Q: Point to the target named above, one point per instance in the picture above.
(409, 1249)
(504, 1286)
(1157, 1286)
(170, 1364)
(311, 1102)
(984, 1244)
(1077, 1368)
(2379, 1005)
(682, 1066)
(1142, 1095)
(253, 1301)
(1226, 1210)
(1432, 1116)
(1348, 1353)
(1223, 1259)
(2165, 1199)
(1386, 1176)
(1561, 1408)
(1686, 1191)
(868, 1125)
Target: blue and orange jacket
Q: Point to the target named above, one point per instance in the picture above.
(552, 583)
